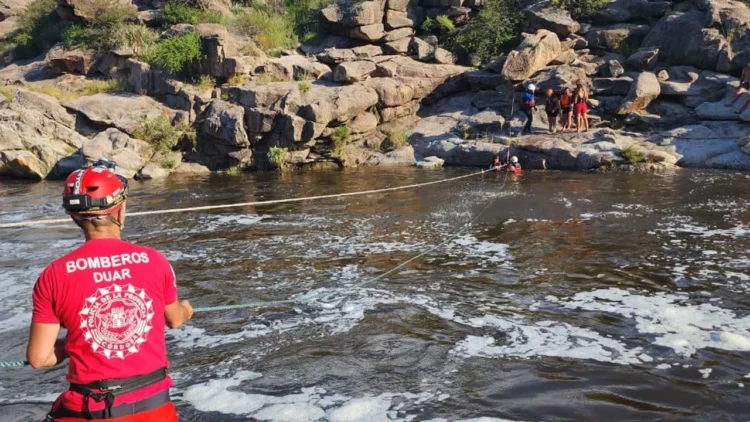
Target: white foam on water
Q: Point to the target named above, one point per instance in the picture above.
(605, 214)
(676, 324)
(705, 373)
(525, 340)
(44, 398)
(481, 419)
(310, 404)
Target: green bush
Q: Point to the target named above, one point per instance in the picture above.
(103, 29)
(39, 29)
(181, 11)
(633, 155)
(168, 164)
(395, 140)
(160, 133)
(205, 83)
(338, 140)
(174, 54)
(304, 86)
(492, 33)
(277, 156)
(444, 23)
(138, 38)
(271, 30)
(304, 16)
(581, 9)
(429, 26)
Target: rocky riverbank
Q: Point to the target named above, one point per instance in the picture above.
(373, 92)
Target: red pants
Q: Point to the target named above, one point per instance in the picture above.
(165, 413)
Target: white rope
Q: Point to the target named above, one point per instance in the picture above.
(246, 204)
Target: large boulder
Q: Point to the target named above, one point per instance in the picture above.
(618, 36)
(124, 111)
(392, 91)
(223, 6)
(644, 90)
(368, 33)
(395, 19)
(298, 67)
(61, 60)
(350, 14)
(351, 72)
(339, 55)
(619, 11)
(643, 59)
(557, 20)
(682, 40)
(693, 86)
(130, 154)
(324, 104)
(261, 95)
(398, 34)
(532, 55)
(223, 123)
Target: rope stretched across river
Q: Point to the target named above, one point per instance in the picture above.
(247, 204)
(22, 363)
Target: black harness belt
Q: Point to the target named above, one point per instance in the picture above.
(107, 390)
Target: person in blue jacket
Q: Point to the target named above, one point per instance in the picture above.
(528, 106)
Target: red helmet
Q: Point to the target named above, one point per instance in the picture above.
(95, 190)
(550, 91)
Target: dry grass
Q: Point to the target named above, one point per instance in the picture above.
(89, 87)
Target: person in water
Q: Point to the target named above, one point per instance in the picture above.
(114, 298)
(528, 107)
(552, 108)
(514, 166)
(566, 106)
(743, 88)
(580, 99)
(496, 163)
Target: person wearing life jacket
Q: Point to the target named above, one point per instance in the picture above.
(566, 106)
(514, 166)
(496, 163)
(742, 89)
(115, 299)
(528, 107)
(552, 108)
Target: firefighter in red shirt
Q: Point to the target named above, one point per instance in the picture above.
(114, 298)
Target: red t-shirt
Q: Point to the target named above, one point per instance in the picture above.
(110, 296)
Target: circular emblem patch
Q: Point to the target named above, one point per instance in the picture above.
(116, 320)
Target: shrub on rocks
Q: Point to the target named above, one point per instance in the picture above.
(277, 156)
(581, 9)
(39, 29)
(492, 33)
(160, 133)
(271, 30)
(338, 140)
(180, 11)
(174, 54)
(102, 29)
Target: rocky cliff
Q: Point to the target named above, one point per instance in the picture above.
(375, 89)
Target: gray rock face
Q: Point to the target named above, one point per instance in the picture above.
(682, 40)
(532, 55)
(351, 72)
(223, 123)
(130, 154)
(123, 111)
(86, 9)
(561, 77)
(299, 68)
(398, 34)
(422, 49)
(643, 91)
(612, 86)
(693, 86)
(541, 16)
(152, 171)
(430, 163)
(443, 56)
(614, 36)
(36, 136)
(327, 104)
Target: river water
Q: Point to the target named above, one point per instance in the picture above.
(559, 296)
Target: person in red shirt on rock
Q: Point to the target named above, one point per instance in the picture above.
(114, 298)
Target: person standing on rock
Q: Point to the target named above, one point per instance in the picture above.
(552, 108)
(114, 298)
(529, 104)
(566, 105)
(580, 99)
(743, 88)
